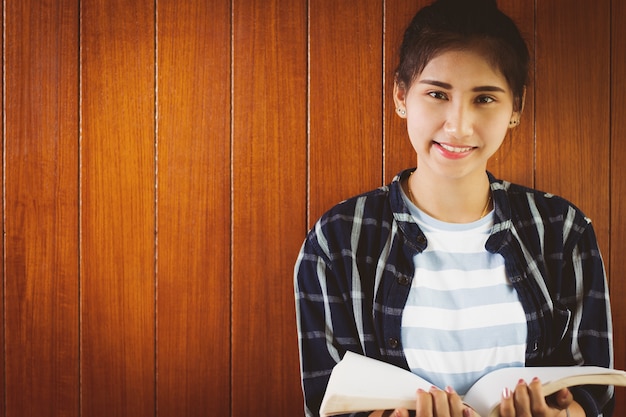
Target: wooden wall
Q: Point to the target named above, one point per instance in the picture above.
(163, 159)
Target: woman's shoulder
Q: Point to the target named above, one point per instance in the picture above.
(528, 201)
(360, 208)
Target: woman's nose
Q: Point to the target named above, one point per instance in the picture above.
(459, 122)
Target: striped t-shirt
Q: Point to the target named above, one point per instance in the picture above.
(463, 318)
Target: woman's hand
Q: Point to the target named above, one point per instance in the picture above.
(528, 400)
(434, 402)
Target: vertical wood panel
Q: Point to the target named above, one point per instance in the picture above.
(618, 190)
(572, 110)
(118, 208)
(193, 358)
(345, 104)
(2, 214)
(269, 171)
(515, 159)
(398, 152)
(41, 224)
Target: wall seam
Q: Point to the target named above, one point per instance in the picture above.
(156, 207)
(4, 119)
(232, 204)
(534, 65)
(307, 191)
(383, 135)
(80, 202)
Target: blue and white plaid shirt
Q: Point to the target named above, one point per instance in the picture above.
(355, 269)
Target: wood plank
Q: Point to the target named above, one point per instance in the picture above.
(193, 304)
(618, 189)
(2, 215)
(572, 106)
(118, 208)
(398, 152)
(514, 161)
(269, 202)
(41, 217)
(345, 101)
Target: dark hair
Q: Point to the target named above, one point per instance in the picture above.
(465, 24)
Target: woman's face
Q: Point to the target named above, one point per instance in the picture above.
(458, 112)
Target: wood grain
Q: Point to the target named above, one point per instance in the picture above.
(117, 208)
(193, 308)
(572, 106)
(269, 202)
(515, 159)
(2, 245)
(41, 217)
(345, 101)
(398, 154)
(618, 190)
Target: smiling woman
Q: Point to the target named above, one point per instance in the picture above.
(396, 273)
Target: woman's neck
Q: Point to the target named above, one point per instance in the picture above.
(450, 200)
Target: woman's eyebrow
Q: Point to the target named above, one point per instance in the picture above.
(437, 84)
(479, 89)
(488, 89)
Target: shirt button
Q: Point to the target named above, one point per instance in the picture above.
(403, 280)
(393, 342)
(421, 239)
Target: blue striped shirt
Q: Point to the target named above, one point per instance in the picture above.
(355, 270)
(463, 318)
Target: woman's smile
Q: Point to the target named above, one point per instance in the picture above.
(453, 151)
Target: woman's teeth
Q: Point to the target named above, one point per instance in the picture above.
(455, 149)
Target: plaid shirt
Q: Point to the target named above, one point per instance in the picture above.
(355, 269)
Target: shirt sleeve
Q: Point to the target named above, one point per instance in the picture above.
(326, 320)
(589, 336)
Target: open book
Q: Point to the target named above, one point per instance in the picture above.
(359, 383)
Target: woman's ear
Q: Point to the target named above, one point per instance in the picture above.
(399, 98)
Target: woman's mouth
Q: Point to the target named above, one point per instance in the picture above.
(455, 149)
(453, 152)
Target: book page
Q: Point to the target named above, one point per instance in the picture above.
(359, 383)
(485, 394)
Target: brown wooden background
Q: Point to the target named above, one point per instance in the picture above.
(163, 159)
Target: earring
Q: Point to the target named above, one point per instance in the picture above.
(513, 122)
(401, 111)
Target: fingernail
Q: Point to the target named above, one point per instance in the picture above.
(521, 381)
(396, 413)
(506, 393)
(449, 390)
(535, 379)
(467, 412)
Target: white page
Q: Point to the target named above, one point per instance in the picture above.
(369, 384)
(486, 393)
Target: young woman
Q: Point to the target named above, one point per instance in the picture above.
(448, 271)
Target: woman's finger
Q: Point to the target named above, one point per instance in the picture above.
(423, 404)
(507, 406)
(521, 399)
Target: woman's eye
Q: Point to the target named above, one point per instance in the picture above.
(438, 95)
(485, 99)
